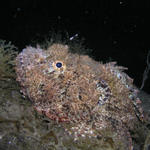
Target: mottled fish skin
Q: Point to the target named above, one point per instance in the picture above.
(73, 88)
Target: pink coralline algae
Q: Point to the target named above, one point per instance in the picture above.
(74, 89)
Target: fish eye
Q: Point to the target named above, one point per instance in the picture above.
(58, 64)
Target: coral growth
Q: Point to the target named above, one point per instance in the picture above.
(85, 96)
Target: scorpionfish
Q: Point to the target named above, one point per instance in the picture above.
(74, 89)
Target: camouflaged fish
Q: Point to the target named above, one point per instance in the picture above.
(76, 90)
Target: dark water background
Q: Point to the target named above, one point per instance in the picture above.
(115, 30)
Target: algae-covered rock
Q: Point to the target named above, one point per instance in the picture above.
(147, 142)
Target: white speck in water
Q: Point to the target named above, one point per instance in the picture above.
(86, 12)
(71, 38)
(115, 42)
(58, 17)
(123, 3)
(18, 9)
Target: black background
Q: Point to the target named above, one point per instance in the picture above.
(115, 30)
